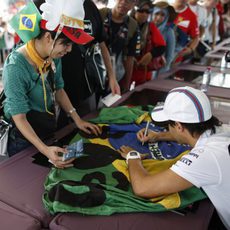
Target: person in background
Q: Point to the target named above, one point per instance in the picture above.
(163, 14)
(73, 67)
(9, 39)
(76, 85)
(101, 3)
(222, 7)
(211, 34)
(152, 42)
(33, 81)
(2, 42)
(122, 39)
(186, 20)
(201, 14)
(187, 111)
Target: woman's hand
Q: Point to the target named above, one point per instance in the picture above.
(54, 154)
(88, 127)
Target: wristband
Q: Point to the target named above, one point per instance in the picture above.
(132, 155)
(71, 111)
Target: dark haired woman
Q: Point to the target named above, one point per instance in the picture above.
(33, 85)
(152, 42)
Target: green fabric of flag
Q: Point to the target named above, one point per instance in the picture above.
(121, 114)
(26, 22)
(105, 191)
(98, 184)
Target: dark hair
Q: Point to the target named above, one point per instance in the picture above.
(65, 40)
(38, 3)
(199, 128)
(105, 2)
(139, 5)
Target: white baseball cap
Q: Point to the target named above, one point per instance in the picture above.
(69, 14)
(184, 104)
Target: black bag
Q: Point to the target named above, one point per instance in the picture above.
(2, 98)
(4, 127)
(201, 49)
(4, 133)
(95, 71)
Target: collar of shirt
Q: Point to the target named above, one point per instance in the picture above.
(203, 138)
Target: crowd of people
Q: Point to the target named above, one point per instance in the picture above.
(184, 25)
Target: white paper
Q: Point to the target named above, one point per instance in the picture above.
(110, 99)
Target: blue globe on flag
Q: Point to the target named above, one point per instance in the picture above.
(27, 22)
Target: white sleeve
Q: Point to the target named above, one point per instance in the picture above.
(203, 17)
(199, 168)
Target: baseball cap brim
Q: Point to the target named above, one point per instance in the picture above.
(78, 36)
(158, 114)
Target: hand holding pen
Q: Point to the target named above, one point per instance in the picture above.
(146, 131)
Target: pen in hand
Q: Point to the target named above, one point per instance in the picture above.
(146, 131)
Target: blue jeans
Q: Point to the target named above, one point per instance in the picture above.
(16, 142)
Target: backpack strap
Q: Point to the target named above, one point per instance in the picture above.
(2, 98)
(132, 27)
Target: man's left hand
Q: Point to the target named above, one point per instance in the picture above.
(124, 149)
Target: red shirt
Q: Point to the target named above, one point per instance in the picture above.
(141, 75)
(220, 10)
(157, 38)
(186, 20)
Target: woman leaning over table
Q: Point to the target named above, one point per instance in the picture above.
(33, 83)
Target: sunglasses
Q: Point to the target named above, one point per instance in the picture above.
(147, 11)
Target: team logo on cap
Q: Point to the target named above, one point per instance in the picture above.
(27, 22)
(74, 32)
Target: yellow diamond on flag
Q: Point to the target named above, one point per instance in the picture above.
(27, 22)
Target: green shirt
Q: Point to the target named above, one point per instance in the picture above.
(23, 86)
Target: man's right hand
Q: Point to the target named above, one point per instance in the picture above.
(151, 136)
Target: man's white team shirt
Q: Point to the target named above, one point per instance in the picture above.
(208, 166)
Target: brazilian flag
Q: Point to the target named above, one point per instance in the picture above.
(26, 22)
(99, 183)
